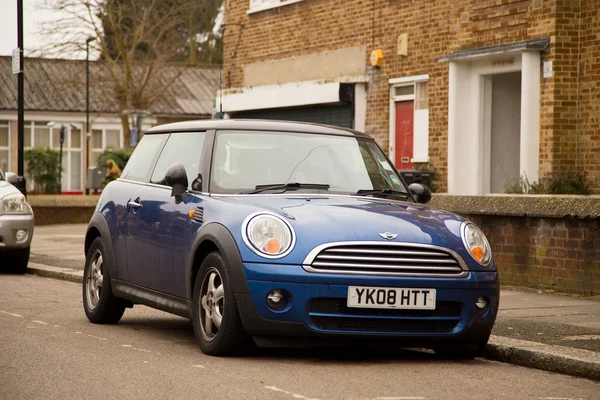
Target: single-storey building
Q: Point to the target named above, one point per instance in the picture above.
(55, 92)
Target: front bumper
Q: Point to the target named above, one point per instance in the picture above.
(9, 225)
(317, 306)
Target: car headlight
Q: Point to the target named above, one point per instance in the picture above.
(14, 203)
(268, 235)
(476, 243)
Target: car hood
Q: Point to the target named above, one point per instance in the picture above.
(7, 188)
(322, 219)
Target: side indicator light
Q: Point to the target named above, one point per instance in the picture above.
(191, 213)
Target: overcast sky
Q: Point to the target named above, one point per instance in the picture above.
(31, 19)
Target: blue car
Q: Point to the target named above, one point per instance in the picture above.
(265, 232)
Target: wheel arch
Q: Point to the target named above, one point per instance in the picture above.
(215, 237)
(98, 228)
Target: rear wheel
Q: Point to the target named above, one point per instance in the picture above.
(100, 306)
(217, 324)
(17, 260)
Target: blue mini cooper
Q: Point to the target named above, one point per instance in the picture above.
(263, 232)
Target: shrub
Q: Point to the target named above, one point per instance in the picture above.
(558, 182)
(517, 185)
(562, 182)
(120, 156)
(42, 169)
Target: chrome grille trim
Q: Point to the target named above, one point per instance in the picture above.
(421, 260)
(381, 258)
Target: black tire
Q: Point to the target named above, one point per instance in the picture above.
(17, 260)
(100, 306)
(230, 337)
(462, 350)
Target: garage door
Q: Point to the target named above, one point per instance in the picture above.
(338, 115)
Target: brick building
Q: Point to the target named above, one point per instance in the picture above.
(479, 90)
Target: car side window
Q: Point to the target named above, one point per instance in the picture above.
(143, 157)
(184, 148)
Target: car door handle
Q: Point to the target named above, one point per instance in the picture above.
(133, 204)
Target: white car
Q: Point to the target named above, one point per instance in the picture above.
(16, 226)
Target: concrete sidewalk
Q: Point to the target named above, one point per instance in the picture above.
(59, 245)
(553, 332)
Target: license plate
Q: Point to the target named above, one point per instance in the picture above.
(400, 298)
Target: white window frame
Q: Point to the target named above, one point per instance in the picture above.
(67, 149)
(268, 5)
(8, 124)
(104, 128)
(420, 147)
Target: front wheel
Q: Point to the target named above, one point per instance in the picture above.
(215, 317)
(100, 306)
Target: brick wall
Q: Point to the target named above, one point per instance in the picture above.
(568, 127)
(549, 253)
(62, 215)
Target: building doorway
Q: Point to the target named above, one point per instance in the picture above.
(404, 134)
(504, 133)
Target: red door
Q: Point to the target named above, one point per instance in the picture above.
(404, 134)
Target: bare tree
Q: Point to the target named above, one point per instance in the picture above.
(137, 41)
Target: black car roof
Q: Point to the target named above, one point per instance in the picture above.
(255, 125)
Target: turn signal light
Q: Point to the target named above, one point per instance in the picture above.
(191, 213)
(272, 246)
(477, 253)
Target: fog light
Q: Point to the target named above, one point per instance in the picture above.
(277, 300)
(481, 303)
(21, 235)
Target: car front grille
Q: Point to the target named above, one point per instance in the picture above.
(376, 258)
(332, 314)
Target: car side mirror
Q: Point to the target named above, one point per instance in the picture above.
(176, 177)
(12, 178)
(17, 181)
(420, 192)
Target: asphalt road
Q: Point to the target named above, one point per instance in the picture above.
(48, 349)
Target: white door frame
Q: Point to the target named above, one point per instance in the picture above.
(469, 97)
(395, 83)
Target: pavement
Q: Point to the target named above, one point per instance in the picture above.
(538, 329)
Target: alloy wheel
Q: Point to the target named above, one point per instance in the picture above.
(95, 280)
(212, 303)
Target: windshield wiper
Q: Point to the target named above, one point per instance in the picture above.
(384, 192)
(288, 186)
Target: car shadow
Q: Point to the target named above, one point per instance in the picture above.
(180, 331)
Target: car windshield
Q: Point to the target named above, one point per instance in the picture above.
(272, 162)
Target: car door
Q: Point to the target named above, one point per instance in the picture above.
(135, 176)
(158, 227)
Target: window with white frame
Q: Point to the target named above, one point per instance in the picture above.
(416, 89)
(4, 146)
(104, 139)
(261, 5)
(40, 134)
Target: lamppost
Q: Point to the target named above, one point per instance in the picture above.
(88, 135)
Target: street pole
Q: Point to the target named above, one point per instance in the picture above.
(88, 135)
(63, 131)
(20, 94)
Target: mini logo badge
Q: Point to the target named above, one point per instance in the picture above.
(388, 235)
